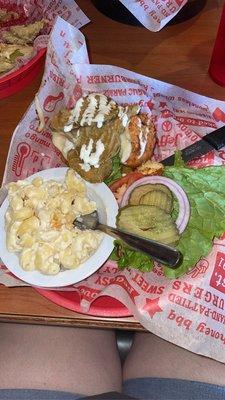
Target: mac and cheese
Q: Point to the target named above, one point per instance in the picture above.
(39, 224)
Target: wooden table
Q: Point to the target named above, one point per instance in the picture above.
(179, 54)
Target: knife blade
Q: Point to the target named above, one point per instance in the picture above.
(212, 141)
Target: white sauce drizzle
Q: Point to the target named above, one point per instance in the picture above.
(89, 115)
(77, 109)
(122, 114)
(91, 159)
(74, 115)
(68, 128)
(104, 109)
(125, 120)
(121, 111)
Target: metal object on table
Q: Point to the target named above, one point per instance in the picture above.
(160, 252)
(212, 141)
(115, 10)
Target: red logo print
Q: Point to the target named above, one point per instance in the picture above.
(200, 269)
(196, 122)
(40, 160)
(219, 115)
(179, 2)
(218, 276)
(51, 101)
(203, 161)
(87, 293)
(157, 269)
(166, 126)
(23, 151)
(77, 93)
(150, 105)
(152, 306)
(123, 282)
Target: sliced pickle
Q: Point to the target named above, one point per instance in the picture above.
(140, 191)
(142, 216)
(159, 199)
(169, 235)
(150, 222)
(137, 193)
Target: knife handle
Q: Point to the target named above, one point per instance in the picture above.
(160, 252)
(216, 138)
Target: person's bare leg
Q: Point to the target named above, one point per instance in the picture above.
(84, 361)
(151, 357)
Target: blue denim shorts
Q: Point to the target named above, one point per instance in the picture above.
(141, 388)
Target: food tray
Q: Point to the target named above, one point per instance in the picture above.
(17, 80)
(104, 306)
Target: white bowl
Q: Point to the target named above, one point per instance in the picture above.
(107, 210)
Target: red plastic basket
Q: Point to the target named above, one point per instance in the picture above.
(19, 79)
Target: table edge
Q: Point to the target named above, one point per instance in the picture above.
(72, 322)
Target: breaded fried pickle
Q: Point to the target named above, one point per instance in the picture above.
(95, 147)
(23, 34)
(92, 133)
(92, 110)
(8, 50)
(9, 53)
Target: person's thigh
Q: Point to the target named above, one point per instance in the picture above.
(151, 356)
(168, 369)
(84, 361)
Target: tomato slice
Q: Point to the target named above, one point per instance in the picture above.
(126, 180)
(120, 186)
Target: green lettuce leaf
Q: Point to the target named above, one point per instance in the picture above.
(178, 160)
(126, 257)
(116, 170)
(205, 190)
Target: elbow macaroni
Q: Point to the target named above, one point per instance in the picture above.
(39, 224)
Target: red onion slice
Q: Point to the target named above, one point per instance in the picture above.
(184, 206)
